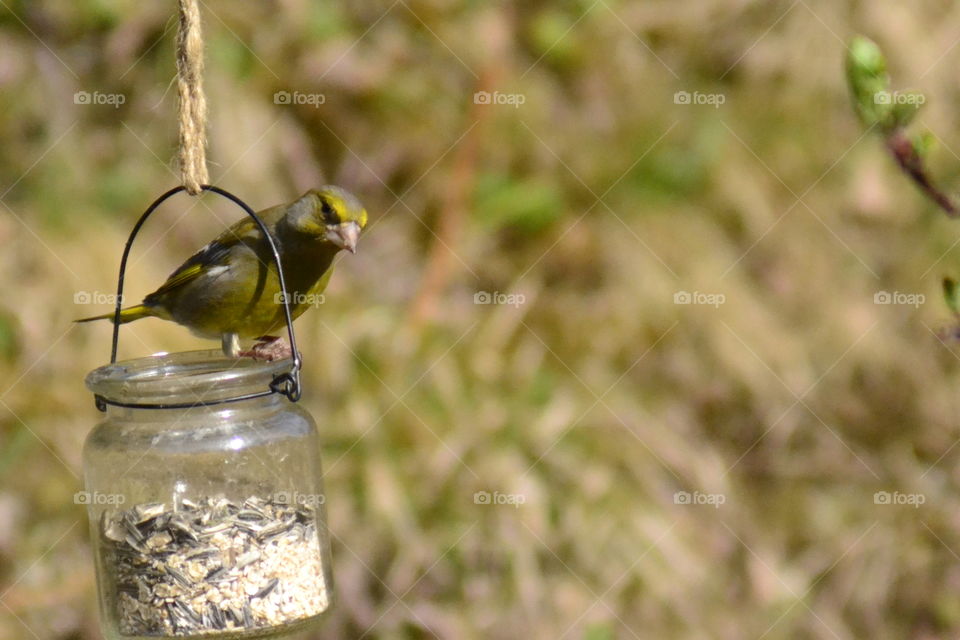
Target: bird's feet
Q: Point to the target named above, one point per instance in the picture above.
(269, 348)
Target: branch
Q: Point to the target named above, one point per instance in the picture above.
(890, 112)
(905, 153)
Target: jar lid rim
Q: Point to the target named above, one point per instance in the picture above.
(188, 377)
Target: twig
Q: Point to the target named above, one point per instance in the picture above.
(912, 164)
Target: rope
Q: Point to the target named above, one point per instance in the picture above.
(193, 104)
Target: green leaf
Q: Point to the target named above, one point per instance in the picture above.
(906, 105)
(870, 84)
(864, 57)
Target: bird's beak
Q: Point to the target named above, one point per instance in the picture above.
(345, 236)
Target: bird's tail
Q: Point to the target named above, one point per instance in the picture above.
(126, 315)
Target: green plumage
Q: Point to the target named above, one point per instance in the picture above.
(231, 287)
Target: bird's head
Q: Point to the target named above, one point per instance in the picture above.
(331, 214)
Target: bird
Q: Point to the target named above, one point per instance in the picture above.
(230, 290)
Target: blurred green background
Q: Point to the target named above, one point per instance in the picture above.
(583, 200)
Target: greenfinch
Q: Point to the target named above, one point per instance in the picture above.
(230, 289)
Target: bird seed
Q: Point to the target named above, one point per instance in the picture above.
(214, 566)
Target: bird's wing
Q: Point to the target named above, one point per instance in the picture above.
(213, 259)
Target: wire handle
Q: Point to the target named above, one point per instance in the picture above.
(287, 384)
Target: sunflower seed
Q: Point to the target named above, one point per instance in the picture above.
(266, 590)
(212, 565)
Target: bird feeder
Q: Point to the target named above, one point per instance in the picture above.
(204, 490)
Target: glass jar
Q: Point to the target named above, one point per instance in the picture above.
(206, 520)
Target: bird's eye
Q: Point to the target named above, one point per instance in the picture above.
(329, 215)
